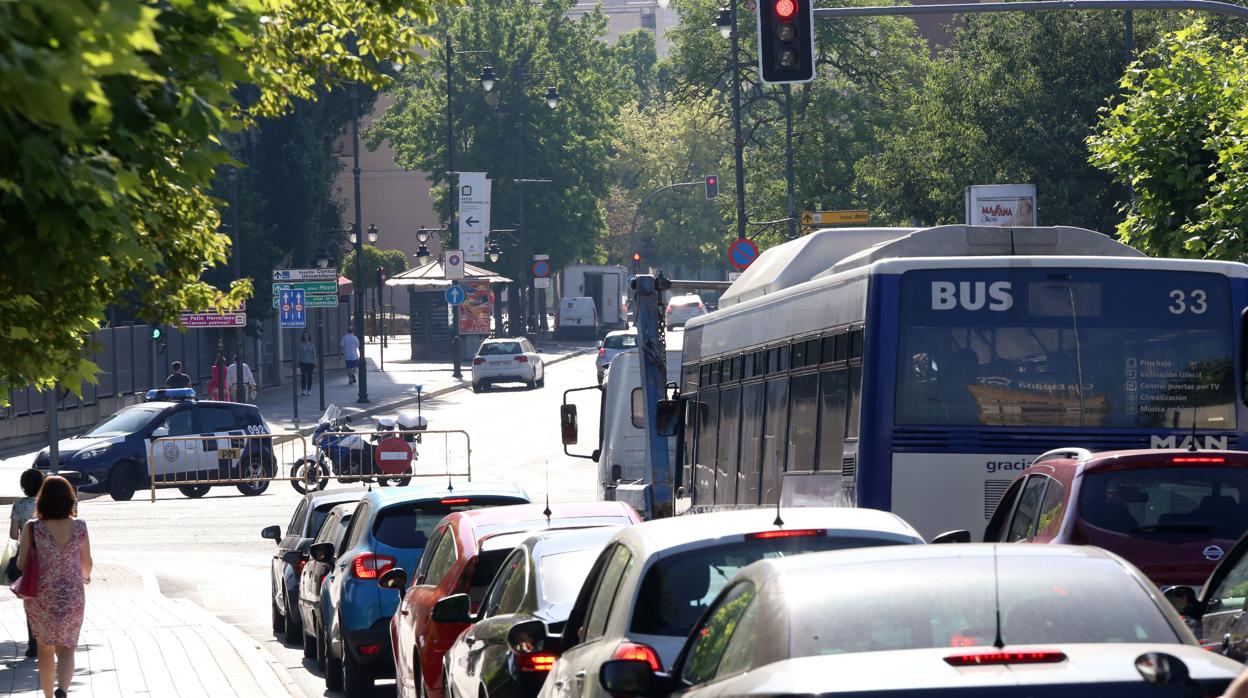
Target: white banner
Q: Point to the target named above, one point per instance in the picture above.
(474, 214)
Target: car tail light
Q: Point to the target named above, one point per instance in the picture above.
(602, 352)
(995, 658)
(1198, 459)
(638, 652)
(455, 500)
(299, 567)
(669, 308)
(478, 361)
(790, 533)
(522, 359)
(369, 650)
(371, 565)
(540, 662)
(701, 307)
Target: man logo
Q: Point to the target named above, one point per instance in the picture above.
(1213, 553)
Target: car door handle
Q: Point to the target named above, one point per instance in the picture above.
(580, 676)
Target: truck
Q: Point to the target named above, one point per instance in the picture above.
(607, 284)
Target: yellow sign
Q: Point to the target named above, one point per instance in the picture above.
(832, 217)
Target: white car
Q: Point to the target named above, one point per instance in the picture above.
(682, 309)
(507, 361)
(654, 579)
(614, 343)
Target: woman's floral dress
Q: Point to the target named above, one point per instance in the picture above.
(55, 613)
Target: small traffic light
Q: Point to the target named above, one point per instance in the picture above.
(157, 333)
(786, 40)
(712, 186)
(636, 261)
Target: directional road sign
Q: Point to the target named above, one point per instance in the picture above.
(312, 301)
(292, 313)
(327, 274)
(393, 456)
(742, 253)
(214, 319)
(832, 217)
(309, 287)
(474, 214)
(455, 295)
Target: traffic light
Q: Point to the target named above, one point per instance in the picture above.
(712, 186)
(160, 339)
(786, 40)
(157, 333)
(636, 261)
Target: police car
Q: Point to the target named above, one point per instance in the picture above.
(113, 457)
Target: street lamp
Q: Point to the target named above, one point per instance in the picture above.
(552, 97)
(494, 252)
(488, 78)
(422, 255)
(422, 235)
(372, 234)
(724, 22)
(355, 239)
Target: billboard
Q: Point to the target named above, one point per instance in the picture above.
(1001, 205)
(478, 306)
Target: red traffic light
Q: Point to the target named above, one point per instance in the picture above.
(636, 256)
(711, 181)
(785, 8)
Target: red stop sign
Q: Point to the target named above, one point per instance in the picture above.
(393, 456)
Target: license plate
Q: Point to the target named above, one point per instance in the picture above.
(230, 453)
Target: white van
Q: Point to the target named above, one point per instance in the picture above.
(576, 318)
(607, 284)
(624, 454)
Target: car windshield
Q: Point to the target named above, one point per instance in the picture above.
(560, 576)
(676, 590)
(408, 525)
(125, 422)
(1196, 503)
(500, 349)
(879, 606)
(620, 341)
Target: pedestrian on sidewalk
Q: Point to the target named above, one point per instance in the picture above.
(177, 379)
(249, 381)
(61, 546)
(23, 511)
(350, 346)
(307, 361)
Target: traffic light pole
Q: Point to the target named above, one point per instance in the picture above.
(632, 236)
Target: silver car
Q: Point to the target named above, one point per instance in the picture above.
(613, 344)
(654, 580)
(507, 361)
(682, 309)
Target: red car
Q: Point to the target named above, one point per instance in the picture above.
(462, 556)
(1172, 513)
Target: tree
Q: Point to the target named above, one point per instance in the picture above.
(1011, 100)
(112, 119)
(511, 133)
(393, 261)
(1179, 140)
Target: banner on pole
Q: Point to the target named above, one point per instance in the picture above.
(474, 214)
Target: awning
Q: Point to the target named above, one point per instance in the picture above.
(345, 287)
(432, 277)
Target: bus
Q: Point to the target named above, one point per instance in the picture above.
(918, 370)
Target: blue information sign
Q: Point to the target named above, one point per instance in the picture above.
(455, 295)
(292, 313)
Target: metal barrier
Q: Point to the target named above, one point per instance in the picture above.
(195, 463)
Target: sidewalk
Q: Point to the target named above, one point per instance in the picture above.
(135, 641)
(388, 391)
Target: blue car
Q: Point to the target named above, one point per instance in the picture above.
(112, 457)
(389, 529)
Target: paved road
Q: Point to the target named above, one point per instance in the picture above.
(209, 550)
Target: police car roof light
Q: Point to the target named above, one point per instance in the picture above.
(170, 394)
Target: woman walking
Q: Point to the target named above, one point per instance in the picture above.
(63, 553)
(23, 511)
(307, 361)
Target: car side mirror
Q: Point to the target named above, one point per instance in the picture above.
(293, 557)
(567, 424)
(668, 417)
(955, 536)
(1184, 600)
(160, 431)
(456, 608)
(531, 637)
(322, 552)
(632, 678)
(273, 533)
(1161, 669)
(394, 578)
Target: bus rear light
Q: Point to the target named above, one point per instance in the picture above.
(1198, 459)
(997, 658)
(791, 533)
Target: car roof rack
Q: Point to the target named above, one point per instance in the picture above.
(171, 394)
(1079, 454)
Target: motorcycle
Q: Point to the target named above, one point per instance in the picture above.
(350, 457)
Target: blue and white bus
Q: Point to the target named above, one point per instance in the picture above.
(919, 369)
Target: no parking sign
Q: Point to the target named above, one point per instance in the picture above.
(742, 253)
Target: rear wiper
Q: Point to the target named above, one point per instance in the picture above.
(1185, 527)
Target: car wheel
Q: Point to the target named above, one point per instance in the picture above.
(476, 388)
(357, 679)
(195, 491)
(532, 384)
(257, 466)
(319, 633)
(333, 668)
(124, 481)
(279, 622)
(293, 628)
(309, 645)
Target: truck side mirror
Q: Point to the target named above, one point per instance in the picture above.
(668, 417)
(567, 424)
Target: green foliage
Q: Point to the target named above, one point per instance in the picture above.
(393, 261)
(112, 118)
(518, 136)
(1011, 100)
(1178, 139)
